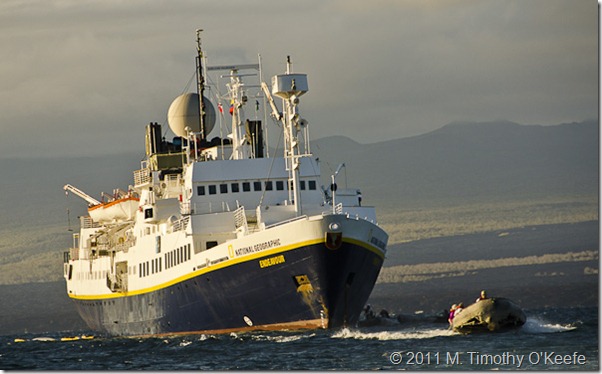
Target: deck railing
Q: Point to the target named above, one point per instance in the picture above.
(240, 219)
(142, 177)
(180, 224)
(87, 223)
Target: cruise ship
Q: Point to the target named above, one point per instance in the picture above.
(226, 233)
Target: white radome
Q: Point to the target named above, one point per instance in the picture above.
(184, 112)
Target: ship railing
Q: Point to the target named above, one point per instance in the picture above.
(186, 208)
(222, 259)
(286, 221)
(86, 222)
(338, 209)
(180, 224)
(142, 177)
(73, 253)
(172, 180)
(240, 219)
(204, 207)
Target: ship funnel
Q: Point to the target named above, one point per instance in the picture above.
(184, 112)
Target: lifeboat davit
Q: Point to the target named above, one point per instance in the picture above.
(494, 314)
(123, 209)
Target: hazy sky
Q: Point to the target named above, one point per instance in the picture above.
(85, 77)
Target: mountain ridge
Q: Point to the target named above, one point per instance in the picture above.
(450, 168)
(498, 160)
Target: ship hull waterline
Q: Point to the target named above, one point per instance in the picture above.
(309, 287)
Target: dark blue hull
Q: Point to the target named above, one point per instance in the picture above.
(308, 287)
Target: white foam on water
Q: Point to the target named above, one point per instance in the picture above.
(427, 333)
(43, 339)
(537, 326)
(282, 339)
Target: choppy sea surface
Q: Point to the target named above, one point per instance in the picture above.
(552, 339)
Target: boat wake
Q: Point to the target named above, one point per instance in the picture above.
(538, 326)
(426, 333)
(282, 338)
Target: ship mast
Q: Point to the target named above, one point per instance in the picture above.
(200, 81)
(241, 139)
(240, 146)
(289, 87)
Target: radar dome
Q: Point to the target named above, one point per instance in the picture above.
(184, 112)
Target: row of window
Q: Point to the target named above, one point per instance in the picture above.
(101, 274)
(172, 258)
(150, 267)
(235, 187)
(177, 256)
(94, 275)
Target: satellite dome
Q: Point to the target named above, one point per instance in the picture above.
(184, 112)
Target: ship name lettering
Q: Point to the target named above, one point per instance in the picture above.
(267, 262)
(257, 247)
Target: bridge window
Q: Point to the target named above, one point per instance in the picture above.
(212, 189)
(279, 185)
(200, 190)
(234, 187)
(148, 213)
(256, 186)
(312, 185)
(246, 186)
(302, 185)
(269, 186)
(223, 188)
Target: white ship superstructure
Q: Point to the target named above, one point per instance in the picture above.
(215, 236)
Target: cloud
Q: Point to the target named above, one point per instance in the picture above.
(100, 70)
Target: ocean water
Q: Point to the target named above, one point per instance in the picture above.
(552, 339)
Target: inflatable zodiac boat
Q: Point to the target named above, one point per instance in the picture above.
(494, 314)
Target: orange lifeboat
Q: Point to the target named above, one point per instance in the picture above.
(123, 209)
